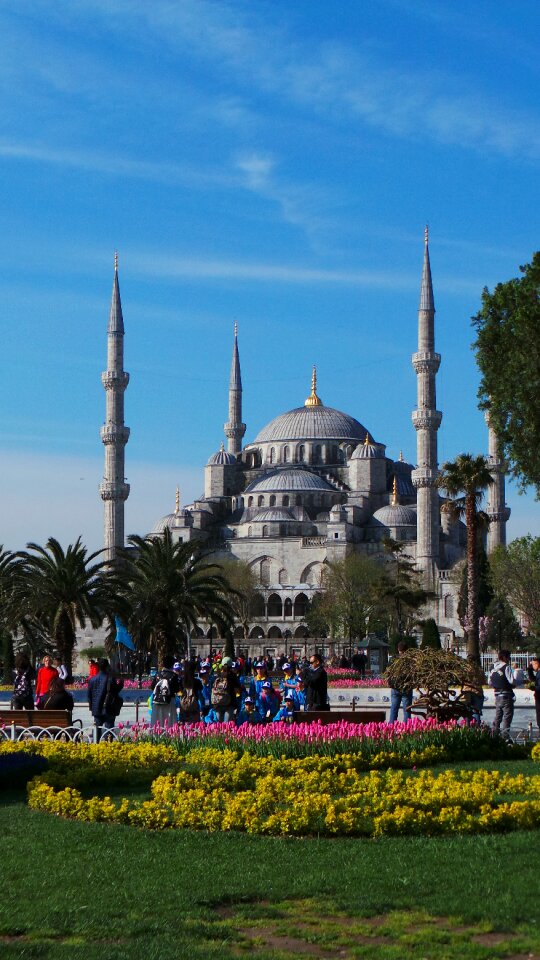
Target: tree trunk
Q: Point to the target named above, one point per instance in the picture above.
(473, 639)
(64, 641)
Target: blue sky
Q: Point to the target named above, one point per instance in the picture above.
(272, 163)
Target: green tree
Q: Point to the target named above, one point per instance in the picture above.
(243, 590)
(404, 592)
(501, 629)
(170, 586)
(508, 355)
(58, 590)
(515, 573)
(353, 596)
(430, 635)
(485, 588)
(466, 479)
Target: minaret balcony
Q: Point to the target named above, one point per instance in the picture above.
(111, 433)
(426, 362)
(109, 490)
(424, 477)
(426, 419)
(113, 380)
(233, 430)
(498, 516)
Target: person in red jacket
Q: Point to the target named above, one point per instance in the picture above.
(93, 669)
(46, 673)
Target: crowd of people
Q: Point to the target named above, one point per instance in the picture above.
(50, 685)
(224, 689)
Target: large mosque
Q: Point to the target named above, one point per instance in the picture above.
(313, 486)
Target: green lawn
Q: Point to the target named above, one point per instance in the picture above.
(79, 890)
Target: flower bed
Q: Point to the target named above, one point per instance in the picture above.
(215, 789)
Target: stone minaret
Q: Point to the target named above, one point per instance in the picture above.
(234, 428)
(114, 490)
(497, 511)
(426, 419)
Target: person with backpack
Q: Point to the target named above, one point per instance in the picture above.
(226, 690)
(268, 701)
(190, 693)
(165, 686)
(23, 693)
(205, 691)
(502, 680)
(104, 698)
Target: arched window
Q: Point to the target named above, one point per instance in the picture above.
(282, 530)
(272, 455)
(449, 605)
(298, 500)
(265, 570)
(286, 500)
(273, 500)
(257, 606)
(288, 607)
(275, 607)
(300, 605)
(286, 454)
(260, 502)
(301, 452)
(265, 531)
(250, 501)
(317, 453)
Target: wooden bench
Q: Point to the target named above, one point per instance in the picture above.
(36, 718)
(360, 715)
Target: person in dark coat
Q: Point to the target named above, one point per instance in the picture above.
(316, 684)
(57, 697)
(98, 689)
(23, 693)
(533, 671)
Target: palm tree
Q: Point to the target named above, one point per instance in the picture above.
(8, 616)
(59, 589)
(466, 479)
(169, 587)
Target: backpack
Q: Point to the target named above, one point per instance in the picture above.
(189, 702)
(220, 693)
(162, 691)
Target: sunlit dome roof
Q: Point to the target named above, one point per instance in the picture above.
(397, 515)
(274, 513)
(289, 479)
(312, 423)
(170, 521)
(367, 451)
(221, 458)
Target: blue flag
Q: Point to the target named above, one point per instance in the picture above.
(122, 636)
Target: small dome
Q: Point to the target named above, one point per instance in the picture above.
(290, 479)
(170, 521)
(397, 515)
(221, 458)
(273, 514)
(367, 451)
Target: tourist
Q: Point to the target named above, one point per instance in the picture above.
(46, 673)
(299, 694)
(190, 693)
(93, 668)
(57, 697)
(23, 694)
(256, 682)
(520, 677)
(249, 714)
(268, 701)
(501, 679)
(533, 671)
(61, 669)
(400, 698)
(103, 697)
(358, 662)
(316, 683)
(205, 692)
(286, 710)
(226, 690)
(288, 681)
(165, 686)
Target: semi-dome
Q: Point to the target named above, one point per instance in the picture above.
(272, 514)
(311, 423)
(221, 458)
(367, 450)
(396, 515)
(170, 521)
(290, 479)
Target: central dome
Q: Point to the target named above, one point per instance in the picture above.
(312, 423)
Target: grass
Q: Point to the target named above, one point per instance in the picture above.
(79, 890)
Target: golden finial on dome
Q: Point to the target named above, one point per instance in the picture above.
(313, 400)
(366, 440)
(222, 447)
(177, 506)
(394, 502)
(401, 456)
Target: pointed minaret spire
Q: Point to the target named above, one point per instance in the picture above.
(426, 419)
(497, 511)
(394, 502)
(177, 503)
(234, 428)
(114, 490)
